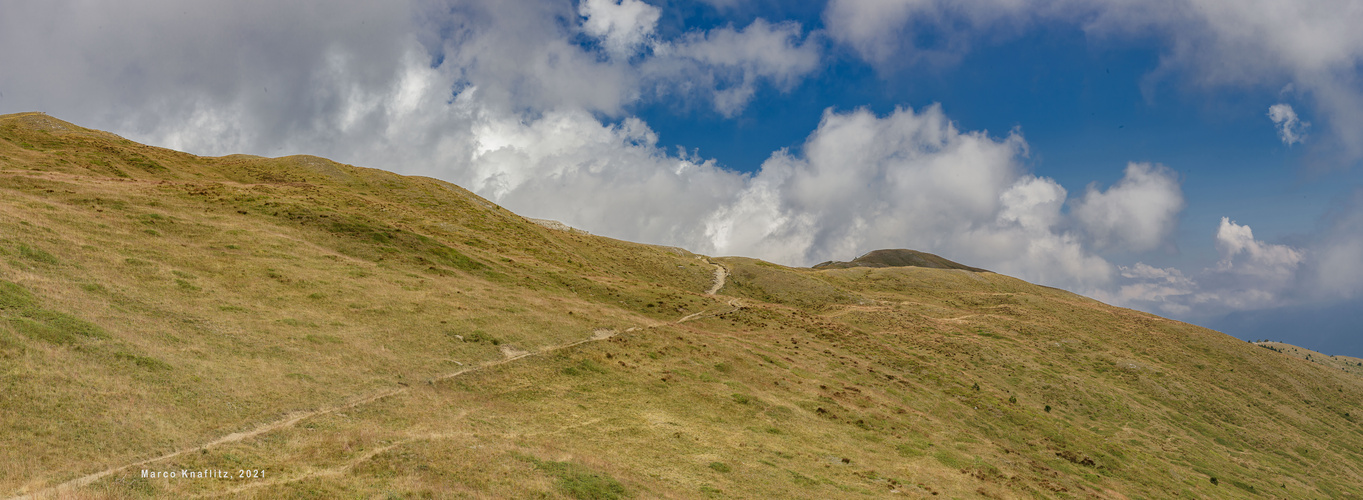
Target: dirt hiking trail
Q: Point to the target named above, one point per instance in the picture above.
(720, 274)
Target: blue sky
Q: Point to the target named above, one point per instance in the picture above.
(1194, 158)
(1083, 109)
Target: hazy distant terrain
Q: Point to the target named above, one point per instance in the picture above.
(349, 332)
(1333, 328)
(1345, 363)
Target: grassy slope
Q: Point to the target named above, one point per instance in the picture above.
(154, 301)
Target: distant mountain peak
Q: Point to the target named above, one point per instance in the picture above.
(899, 257)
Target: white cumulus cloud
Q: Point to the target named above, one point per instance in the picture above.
(1234, 240)
(885, 31)
(622, 25)
(1138, 213)
(727, 65)
(1290, 129)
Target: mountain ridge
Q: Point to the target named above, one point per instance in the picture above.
(899, 257)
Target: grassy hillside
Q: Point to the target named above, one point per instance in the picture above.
(354, 333)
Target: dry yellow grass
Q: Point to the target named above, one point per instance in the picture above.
(369, 335)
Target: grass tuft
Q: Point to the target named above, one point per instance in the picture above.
(23, 313)
(36, 255)
(580, 482)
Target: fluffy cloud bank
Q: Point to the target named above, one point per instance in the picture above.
(1325, 269)
(1335, 270)
(906, 180)
(862, 181)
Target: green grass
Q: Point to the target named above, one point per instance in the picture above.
(22, 311)
(142, 361)
(36, 255)
(479, 336)
(579, 482)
